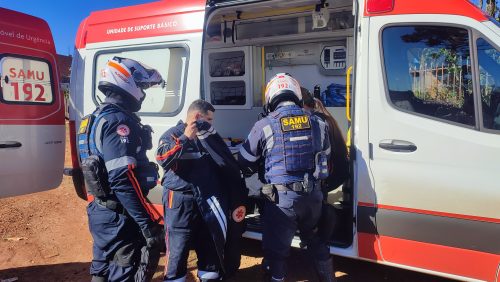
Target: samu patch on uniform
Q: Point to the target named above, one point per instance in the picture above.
(295, 123)
(123, 130)
(239, 214)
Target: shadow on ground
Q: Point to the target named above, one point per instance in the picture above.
(75, 271)
(299, 265)
(300, 268)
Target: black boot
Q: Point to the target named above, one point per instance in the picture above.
(267, 272)
(324, 269)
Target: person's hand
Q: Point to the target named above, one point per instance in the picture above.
(155, 236)
(191, 130)
(146, 138)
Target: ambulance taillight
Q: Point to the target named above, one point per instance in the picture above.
(379, 6)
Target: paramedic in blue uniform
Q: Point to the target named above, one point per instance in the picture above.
(119, 220)
(294, 148)
(185, 162)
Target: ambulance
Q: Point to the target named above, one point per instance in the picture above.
(420, 82)
(32, 126)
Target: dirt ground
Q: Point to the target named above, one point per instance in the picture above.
(45, 237)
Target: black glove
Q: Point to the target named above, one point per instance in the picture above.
(155, 236)
(147, 140)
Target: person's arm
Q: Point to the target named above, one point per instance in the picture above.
(170, 149)
(251, 150)
(120, 141)
(326, 146)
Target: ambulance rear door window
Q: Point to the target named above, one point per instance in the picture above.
(25, 80)
(171, 61)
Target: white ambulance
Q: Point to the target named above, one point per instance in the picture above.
(423, 85)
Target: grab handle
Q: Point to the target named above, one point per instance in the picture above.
(348, 94)
(10, 144)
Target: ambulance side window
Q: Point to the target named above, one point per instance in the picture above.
(489, 83)
(170, 61)
(428, 71)
(25, 80)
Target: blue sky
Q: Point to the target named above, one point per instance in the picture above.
(64, 17)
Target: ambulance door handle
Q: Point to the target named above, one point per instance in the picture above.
(10, 144)
(400, 146)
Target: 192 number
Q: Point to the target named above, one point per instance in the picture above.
(27, 90)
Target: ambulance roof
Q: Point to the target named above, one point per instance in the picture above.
(184, 16)
(152, 19)
(25, 30)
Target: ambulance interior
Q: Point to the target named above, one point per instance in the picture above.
(245, 45)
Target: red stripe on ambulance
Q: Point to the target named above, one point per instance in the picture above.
(466, 263)
(429, 212)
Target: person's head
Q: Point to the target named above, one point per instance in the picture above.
(307, 99)
(282, 87)
(128, 79)
(201, 109)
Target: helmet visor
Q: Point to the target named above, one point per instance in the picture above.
(143, 75)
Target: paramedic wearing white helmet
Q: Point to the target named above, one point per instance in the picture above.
(112, 146)
(294, 148)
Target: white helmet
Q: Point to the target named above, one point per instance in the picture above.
(282, 87)
(129, 76)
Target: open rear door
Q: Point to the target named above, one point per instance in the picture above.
(32, 130)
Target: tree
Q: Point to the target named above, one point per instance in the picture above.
(491, 8)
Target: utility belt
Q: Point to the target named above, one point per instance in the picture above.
(111, 204)
(184, 192)
(306, 187)
(299, 187)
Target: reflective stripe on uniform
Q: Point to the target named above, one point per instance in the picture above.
(299, 138)
(182, 279)
(170, 152)
(218, 214)
(322, 129)
(247, 155)
(97, 136)
(268, 134)
(138, 190)
(217, 204)
(190, 156)
(120, 162)
(202, 134)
